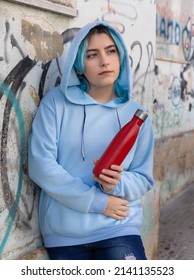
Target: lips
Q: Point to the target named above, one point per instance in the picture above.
(106, 72)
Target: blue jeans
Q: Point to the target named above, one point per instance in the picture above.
(119, 248)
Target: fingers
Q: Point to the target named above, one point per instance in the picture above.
(125, 208)
(109, 176)
(107, 182)
(117, 168)
(98, 180)
(115, 171)
(120, 215)
(124, 211)
(123, 202)
(117, 208)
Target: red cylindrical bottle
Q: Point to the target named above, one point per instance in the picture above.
(121, 144)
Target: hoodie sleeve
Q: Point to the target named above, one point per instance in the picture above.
(138, 178)
(50, 176)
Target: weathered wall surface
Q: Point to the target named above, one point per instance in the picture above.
(33, 47)
(173, 110)
(174, 159)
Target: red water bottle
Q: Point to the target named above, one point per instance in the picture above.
(121, 144)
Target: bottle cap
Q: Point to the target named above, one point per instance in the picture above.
(141, 115)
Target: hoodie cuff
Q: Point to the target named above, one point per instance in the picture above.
(99, 202)
(115, 191)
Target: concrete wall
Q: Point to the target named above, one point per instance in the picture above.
(173, 105)
(33, 47)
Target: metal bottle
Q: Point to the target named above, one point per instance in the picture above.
(121, 144)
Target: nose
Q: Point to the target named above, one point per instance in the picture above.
(104, 60)
(104, 64)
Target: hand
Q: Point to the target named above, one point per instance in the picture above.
(117, 208)
(109, 178)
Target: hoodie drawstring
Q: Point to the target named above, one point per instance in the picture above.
(118, 119)
(82, 141)
(83, 129)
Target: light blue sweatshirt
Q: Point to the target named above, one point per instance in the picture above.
(69, 130)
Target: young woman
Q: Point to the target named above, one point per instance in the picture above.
(81, 216)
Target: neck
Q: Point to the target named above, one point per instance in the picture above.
(102, 95)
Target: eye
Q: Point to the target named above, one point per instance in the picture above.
(91, 55)
(112, 51)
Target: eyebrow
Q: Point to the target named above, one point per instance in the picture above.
(108, 47)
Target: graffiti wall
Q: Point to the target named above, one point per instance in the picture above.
(174, 30)
(29, 45)
(33, 48)
(34, 44)
(173, 105)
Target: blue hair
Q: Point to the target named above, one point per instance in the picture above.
(79, 63)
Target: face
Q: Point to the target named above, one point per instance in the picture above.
(102, 64)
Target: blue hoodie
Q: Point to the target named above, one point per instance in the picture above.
(69, 130)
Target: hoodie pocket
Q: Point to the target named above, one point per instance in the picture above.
(68, 222)
(61, 219)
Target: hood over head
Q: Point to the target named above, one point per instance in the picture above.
(70, 81)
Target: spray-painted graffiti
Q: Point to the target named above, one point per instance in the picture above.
(10, 201)
(170, 31)
(10, 88)
(179, 97)
(120, 12)
(165, 119)
(174, 31)
(140, 80)
(178, 88)
(112, 14)
(188, 39)
(174, 34)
